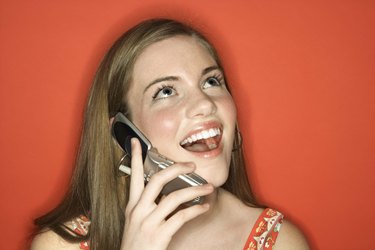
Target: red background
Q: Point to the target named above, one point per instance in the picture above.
(302, 75)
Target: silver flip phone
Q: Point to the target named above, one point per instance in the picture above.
(123, 130)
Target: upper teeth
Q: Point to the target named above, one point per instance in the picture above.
(205, 134)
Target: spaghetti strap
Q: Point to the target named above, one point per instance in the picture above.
(81, 226)
(265, 230)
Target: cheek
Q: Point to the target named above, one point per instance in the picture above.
(229, 109)
(229, 117)
(159, 123)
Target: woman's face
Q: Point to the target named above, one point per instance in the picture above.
(179, 100)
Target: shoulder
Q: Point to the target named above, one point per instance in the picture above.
(290, 237)
(51, 240)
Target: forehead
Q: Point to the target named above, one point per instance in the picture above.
(170, 56)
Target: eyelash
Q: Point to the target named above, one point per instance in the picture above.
(160, 89)
(218, 77)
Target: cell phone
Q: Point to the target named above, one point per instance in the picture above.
(123, 130)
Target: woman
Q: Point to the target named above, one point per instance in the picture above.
(166, 78)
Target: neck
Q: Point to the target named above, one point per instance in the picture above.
(207, 230)
(205, 221)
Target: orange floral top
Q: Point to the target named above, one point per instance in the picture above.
(263, 235)
(80, 225)
(265, 231)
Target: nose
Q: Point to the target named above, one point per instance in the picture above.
(200, 105)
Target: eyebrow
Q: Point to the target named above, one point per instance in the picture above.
(161, 79)
(175, 78)
(209, 69)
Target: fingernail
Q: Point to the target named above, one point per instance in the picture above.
(132, 141)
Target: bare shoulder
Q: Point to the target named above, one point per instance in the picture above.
(50, 240)
(290, 237)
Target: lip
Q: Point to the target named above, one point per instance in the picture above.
(208, 154)
(206, 126)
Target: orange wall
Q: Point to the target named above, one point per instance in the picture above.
(302, 75)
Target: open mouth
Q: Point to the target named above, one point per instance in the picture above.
(205, 140)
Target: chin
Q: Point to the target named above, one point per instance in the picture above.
(215, 177)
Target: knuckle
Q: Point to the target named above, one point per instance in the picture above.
(157, 177)
(175, 196)
(132, 213)
(182, 215)
(128, 212)
(145, 228)
(129, 215)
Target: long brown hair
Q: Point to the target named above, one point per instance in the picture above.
(96, 189)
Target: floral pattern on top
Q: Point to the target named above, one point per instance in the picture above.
(263, 235)
(80, 225)
(265, 230)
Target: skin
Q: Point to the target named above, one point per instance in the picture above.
(180, 90)
(174, 100)
(169, 99)
(191, 102)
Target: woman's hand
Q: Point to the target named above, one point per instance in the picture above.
(147, 225)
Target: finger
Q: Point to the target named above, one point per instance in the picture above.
(161, 178)
(173, 200)
(175, 222)
(136, 179)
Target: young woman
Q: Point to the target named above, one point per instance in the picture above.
(168, 80)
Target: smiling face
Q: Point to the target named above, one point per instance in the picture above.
(179, 100)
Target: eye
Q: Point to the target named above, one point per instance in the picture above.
(164, 92)
(213, 81)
